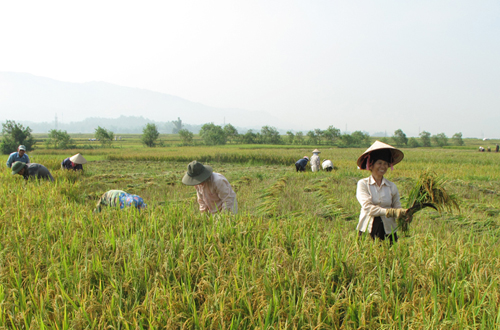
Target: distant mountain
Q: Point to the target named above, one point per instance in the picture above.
(25, 97)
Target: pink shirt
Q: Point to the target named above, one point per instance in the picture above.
(216, 195)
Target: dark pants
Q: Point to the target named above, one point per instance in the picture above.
(299, 168)
(329, 169)
(378, 231)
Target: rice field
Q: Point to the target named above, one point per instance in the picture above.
(290, 259)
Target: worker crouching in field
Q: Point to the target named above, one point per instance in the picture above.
(213, 191)
(327, 165)
(74, 162)
(301, 164)
(315, 162)
(119, 198)
(379, 197)
(31, 171)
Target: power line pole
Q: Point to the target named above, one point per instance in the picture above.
(55, 121)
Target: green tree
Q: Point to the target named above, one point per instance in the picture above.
(425, 138)
(231, 132)
(413, 143)
(331, 135)
(213, 134)
(290, 137)
(457, 139)
(346, 140)
(104, 135)
(14, 135)
(249, 137)
(299, 138)
(319, 134)
(360, 139)
(59, 139)
(270, 135)
(312, 138)
(186, 136)
(149, 135)
(177, 125)
(440, 139)
(400, 138)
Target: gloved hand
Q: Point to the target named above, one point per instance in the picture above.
(396, 213)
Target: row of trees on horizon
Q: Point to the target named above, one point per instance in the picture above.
(15, 134)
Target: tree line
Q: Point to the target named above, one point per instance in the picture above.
(15, 134)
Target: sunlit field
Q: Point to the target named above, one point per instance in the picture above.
(290, 259)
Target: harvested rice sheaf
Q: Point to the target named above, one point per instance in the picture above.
(430, 188)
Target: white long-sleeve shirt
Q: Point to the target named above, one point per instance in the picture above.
(216, 195)
(315, 162)
(374, 201)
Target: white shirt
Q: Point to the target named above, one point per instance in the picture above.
(216, 195)
(327, 163)
(374, 201)
(315, 159)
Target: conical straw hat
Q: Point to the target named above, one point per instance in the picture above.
(397, 155)
(78, 159)
(316, 150)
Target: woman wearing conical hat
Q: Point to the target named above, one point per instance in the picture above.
(315, 162)
(74, 162)
(379, 197)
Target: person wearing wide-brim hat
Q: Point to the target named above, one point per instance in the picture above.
(74, 162)
(379, 197)
(31, 171)
(214, 193)
(315, 162)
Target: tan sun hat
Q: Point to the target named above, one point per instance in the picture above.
(78, 159)
(381, 151)
(316, 150)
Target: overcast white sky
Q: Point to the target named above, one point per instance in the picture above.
(368, 65)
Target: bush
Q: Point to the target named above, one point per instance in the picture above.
(413, 143)
(59, 139)
(103, 135)
(149, 135)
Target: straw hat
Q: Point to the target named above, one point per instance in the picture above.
(78, 159)
(316, 150)
(17, 166)
(196, 173)
(382, 151)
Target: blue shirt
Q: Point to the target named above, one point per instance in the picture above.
(302, 163)
(14, 157)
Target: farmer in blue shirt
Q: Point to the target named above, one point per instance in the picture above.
(19, 156)
(300, 165)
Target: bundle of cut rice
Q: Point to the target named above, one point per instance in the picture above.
(429, 191)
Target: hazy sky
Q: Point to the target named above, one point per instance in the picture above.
(368, 65)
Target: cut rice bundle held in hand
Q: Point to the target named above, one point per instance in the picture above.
(429, 191)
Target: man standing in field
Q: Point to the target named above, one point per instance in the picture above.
(33, 170)
(18, 156)
(213, 191)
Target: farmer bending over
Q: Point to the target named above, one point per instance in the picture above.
(214, 193)
(300, 165)
(74, 162)
(327, 165)
(379, 197)
(32, 170)
(119, 198)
